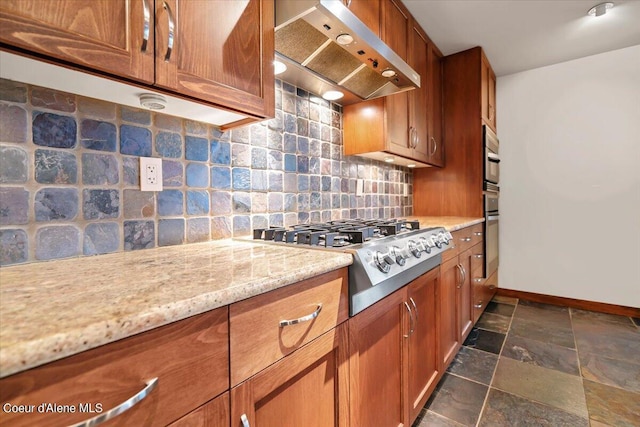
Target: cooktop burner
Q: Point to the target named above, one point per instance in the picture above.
(337, 234)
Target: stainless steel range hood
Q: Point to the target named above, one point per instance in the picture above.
(326, 47)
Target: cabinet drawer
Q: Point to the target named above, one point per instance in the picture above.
(258, 340)
(452, 250)
(189, 358)
(468, 237)
(477, 258)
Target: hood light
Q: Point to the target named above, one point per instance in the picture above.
(279, 67)
(600, 9)
(332, 95)
(389, 159)
(344, 39)
(388, 73)
(411, 165)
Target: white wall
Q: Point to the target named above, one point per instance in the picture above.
(570, 178)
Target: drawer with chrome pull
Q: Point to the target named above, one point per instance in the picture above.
(152, 378)
(267, 327)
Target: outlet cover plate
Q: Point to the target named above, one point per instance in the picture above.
(150, 174)
(359, 187)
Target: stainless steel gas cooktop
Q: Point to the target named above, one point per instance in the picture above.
(388, 254)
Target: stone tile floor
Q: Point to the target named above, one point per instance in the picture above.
(531, 364)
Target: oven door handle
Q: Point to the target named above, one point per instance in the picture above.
(493, 218)
(492, 157)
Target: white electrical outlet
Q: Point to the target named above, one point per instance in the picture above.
(405, 190)
(359, 187)
(150, 174)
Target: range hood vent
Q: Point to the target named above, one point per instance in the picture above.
(326, 47)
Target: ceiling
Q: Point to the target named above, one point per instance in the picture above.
(519, 35)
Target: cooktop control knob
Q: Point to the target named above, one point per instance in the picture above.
(443, 238)
(397, 254)
(413, 248)
(383, 261)
(426, 244)
(436, 241)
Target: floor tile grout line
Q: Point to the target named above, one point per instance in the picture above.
(495, 368)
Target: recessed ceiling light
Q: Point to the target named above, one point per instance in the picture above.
(279, 67)
(332, 95)
(600, 9)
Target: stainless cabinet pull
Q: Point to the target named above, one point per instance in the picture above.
(478, 280)
(348, 3)
(123, 407)
(410, 320)
(466, 239)
(245, 420)
(492, 287)
(478, 233)
(306, 318)
(415, 307)
(479, 305)
(461, 270)
(478, 255)
(172, 29)
(146, 12)
(435, 147)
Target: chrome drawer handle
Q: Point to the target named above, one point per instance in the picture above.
(245, 420)
(466, 239)
(479, 305)
(415, 307)
(306, 318)
(492, 287)
(478, 280)
(146, 12)
(123, 407)
(172, 29)
(478, 233)
(478, 255)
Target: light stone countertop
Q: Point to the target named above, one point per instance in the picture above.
(51, 310)
(451, 223)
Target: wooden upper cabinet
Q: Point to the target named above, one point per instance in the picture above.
(104, 35)
(488, 93)
(395, 27)
(222, 51)
(436, 143)
(419, 98)
(368, 11)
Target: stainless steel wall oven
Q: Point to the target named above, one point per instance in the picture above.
(491, 199)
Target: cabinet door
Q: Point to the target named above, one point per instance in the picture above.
(448, 322)
(418, 98)
(436, 144)
(104, 35)
(465, 292)
(423, 357)
(221, 51)
(395, 25)
(378, 375)
(214, 413)
(368, 11)
(492, 100)
(309, 387)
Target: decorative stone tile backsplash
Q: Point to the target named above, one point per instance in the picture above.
(69, 175)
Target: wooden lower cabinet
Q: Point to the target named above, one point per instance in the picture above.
(393, 367)
(309, 387)
(423, 361)
(214, 413)
(189, 359)
(448, 299)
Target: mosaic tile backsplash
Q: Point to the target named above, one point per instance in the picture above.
(69, 175)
